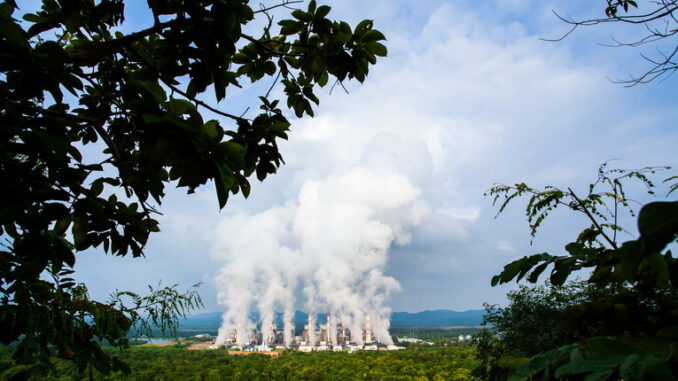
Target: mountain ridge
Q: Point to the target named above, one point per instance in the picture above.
(422, 319)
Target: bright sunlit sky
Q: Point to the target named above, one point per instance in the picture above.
(468, 96)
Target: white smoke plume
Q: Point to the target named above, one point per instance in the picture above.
(332, 241)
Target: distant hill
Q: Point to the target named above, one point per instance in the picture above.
(423, 319)
(437, 318)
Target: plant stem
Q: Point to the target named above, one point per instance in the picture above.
(590, 216)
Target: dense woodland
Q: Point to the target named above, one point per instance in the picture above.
(168, 363)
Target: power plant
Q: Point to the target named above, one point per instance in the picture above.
(331, 335)
(326, 250)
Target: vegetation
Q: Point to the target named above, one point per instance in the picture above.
(150, 364)
(628, 331)
(531, 323)
(433, 335)
(95, 123)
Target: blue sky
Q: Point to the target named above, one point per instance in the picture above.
(469, 96)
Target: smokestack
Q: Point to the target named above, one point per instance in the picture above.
(328, 334)
(271, 335)
(310, 329)
(368, 328)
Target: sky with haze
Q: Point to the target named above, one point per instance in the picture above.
(468, 96)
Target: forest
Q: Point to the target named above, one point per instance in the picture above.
(167, 363)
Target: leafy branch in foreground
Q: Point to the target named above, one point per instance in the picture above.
(593, 203)
(98, 116)
(161, 308)
(631, 333)
(601, 208)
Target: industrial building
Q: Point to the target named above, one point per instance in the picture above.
(329, 336)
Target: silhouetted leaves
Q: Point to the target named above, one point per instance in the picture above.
(622, 334)
(71, 78)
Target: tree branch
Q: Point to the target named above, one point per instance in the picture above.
(590, 216)
(284, 4)
(113, 45)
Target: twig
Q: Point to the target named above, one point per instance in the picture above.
(588, 214)
(199, 102)
(277, 77)
(263, 43)
(284, 4)
(114, 44)
(340, 83)
(181, 92)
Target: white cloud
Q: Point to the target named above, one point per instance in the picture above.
(467, 97)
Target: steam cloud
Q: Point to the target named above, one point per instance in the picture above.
(331, 243)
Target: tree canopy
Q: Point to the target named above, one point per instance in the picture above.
(98, 119)
(628, 331)
(531, 323)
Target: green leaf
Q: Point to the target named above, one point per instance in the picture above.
(269, 67)
(240, 58)
(79, 233)
(560, 273)
(322, 80)
(363, 27)
(63, 224)
(213, 129)
(344, 33)
(245, 187)
(322, 11)
(6, 10)
(534, 275)
(538, 363)
(644, 367)
(376, 48)
(588, 365)
(149, 87)
(608, 346)
(234, 152)
(658, 224)
(179, 107)
(223, 182)
(598, 376)
(31, 17)
(299, 107)
(154, 118)
(373, 35)
(288, 27)
(656, 268)
(511, 270)
(97, 187)
(301, 15)
(575, 249)
(13, 33)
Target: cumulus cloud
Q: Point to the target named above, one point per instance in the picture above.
(468, 96)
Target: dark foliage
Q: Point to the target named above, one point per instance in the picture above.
(535, 320)
(95, 123)
(630, 331)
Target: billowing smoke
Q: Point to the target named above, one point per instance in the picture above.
(331, 243)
